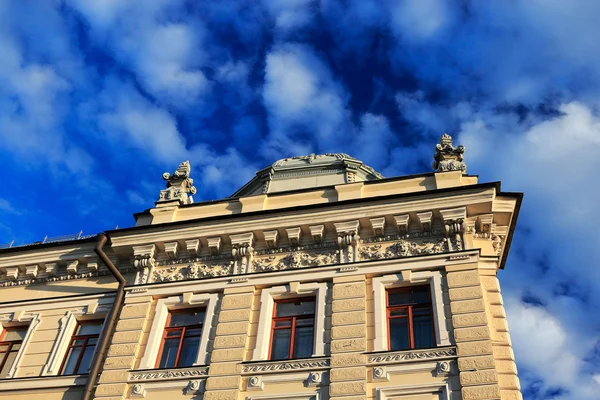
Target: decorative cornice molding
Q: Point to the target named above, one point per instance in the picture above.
(168, 374)
(412, 355)
(278, 366)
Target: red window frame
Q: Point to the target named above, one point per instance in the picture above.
(292, 327)
(84, 346)
(409, 314)
(10, 343)
(181, 336)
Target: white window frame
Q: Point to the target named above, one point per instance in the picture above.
(15, 319)
(67, 326)
(383, 283)
(163, 307)
(399, 392)
(291, 291)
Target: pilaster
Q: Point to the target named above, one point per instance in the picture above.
(348, 375)
(230, 344)
(472, 332)
(510, 388)
(124, 348)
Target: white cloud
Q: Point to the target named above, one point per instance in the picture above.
(303, 100)
(418, 19)
(166, 57)
(6, 207)
(291, 15)
(128, 118)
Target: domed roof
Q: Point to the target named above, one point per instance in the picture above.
(313, 170)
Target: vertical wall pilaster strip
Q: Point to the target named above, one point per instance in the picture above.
(472, 333)
(124, 348)
(230, 344)
(508, 380)
(348, 339)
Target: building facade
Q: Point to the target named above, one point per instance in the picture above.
(317, 280)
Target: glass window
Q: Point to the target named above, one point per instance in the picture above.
(293, 329)
(10, 344)
(410, 318)
(82, 347)
(181, 339)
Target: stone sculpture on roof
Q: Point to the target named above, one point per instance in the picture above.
(447, 157)
(178, 185)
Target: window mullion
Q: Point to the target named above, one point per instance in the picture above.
(292, 337)
(181, 337)
(83, 346)
(410, 327)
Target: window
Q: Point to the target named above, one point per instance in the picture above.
(410, 318)
(181, 339)
(293, 329)
(82, 347)
(10, 344)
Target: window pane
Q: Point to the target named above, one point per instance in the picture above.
(10, 358)
(174, 332)
(72, 357)
(305, 322)
(399, 338)
(86, 360)
(399, 312)
(283, 323)
(193, 332)
(89, 328)
(303, 342)
(14, 334)
(423, 331)
(191, 317)
(412, 295)
(300, 307)
(169, 353)
(280, 349)
(4, 347)
(189, 351)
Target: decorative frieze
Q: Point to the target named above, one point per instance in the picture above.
(278, 366)
(194, 270)
(403, 248)
(168, 374)
(295, 259)
(412, 355)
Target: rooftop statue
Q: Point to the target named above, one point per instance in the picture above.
(447, 157)
(178, 185)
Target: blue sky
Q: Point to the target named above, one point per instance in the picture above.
(99, 97)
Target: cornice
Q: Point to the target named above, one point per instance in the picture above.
(273, 219)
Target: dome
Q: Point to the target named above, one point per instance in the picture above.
(311, 171)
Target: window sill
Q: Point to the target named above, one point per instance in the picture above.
(166, 374)
(291, 365)
(42, 382)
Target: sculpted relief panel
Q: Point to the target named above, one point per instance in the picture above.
(294, 257)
